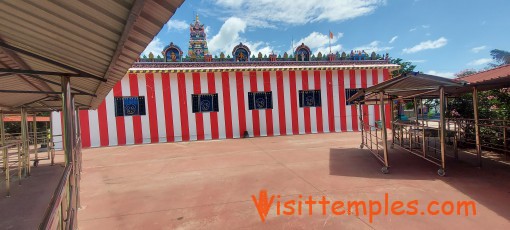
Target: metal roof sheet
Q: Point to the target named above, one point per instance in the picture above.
(97, 38)
(414, 84)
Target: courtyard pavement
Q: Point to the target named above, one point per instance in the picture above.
(209, 185)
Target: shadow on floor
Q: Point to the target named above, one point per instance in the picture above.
(488, 186)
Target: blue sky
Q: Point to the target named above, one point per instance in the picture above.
(441, 37)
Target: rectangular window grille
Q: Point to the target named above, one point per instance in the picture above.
(349, 93)
(260, 100)
(310, 98)
(202, 103)
(129, 106)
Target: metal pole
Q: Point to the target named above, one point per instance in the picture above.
(384, 133)
(392, 123)
(24, 140)
(78, 154)
(7, 172)
(360, 117)
(442, 130)
(2, 136)
(423, 140)
(415, 108)
(67, 140)
(50, 142)
(19, 162)
(35, 139)
(477, 128)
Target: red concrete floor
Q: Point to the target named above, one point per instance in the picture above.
(209, 184)
(26, 206)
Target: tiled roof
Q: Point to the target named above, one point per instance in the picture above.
(30, 118)
(488, 75)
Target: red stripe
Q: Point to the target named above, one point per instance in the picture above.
(354, 111)
(342, 101)
(269, 112)
(366, 116)
(387, 107)
(103, 124)
(293, 102)
(240, 102)
(85, 128)
(199, 117)
(137, 120)
(254, 112)
(151, 102)
(375, 80)
(281, 103)
(318, 110)
(226, 102)
(331, 109)
(167, 103)
(121, 125)
(214, 115)
(306, 110)
(183, 105)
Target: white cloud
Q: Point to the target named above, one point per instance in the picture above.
(412, 30)
(177, 25)
(230, 36)
(230, 3)
(373, 47)
(425, 26)
(418, 61)
(155, 46)
(325, 49)
(426, 45)
(207, 30)
(319, 42)
(267, 13)
(441, 74)
(478, 49)
(393, 39)
(481, 61)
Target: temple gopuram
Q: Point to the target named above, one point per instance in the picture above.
(176, 96)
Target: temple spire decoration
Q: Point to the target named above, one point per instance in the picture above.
(198, 40)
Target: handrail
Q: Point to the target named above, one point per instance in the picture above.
(10, 144)
(56, 199)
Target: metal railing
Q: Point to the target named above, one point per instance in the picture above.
(422, 139)
(62, 211)
(494, 134)
(371, 138)
(11, 160)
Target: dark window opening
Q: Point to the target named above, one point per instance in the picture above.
(202, 103)
(349, 93)
(260, 100)
(310, 98)
(129, 106)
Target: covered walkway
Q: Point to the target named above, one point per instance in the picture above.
(63, 56)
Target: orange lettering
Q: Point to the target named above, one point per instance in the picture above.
(263, 204)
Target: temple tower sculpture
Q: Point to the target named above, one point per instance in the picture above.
(197, 40)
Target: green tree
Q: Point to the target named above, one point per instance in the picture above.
(405, 67)
(465, 72)
(501, 57)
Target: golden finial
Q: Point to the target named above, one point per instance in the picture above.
(196, 17)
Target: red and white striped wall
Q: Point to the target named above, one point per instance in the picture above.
(168, 106)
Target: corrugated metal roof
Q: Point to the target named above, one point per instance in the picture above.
(100, 38)
(413, 84)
